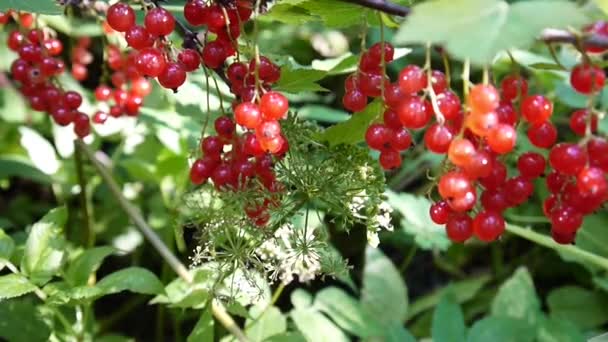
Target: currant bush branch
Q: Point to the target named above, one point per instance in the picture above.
(180, 269)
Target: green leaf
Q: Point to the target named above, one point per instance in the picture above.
(416, 221)
(602, 4)
(448, 321)
(18, 166)
(397, 333)
(517, 298)
(295, 80)
(133, 279)
(353, 131)
(500, 329)
(7, 246)
(316, 327)
(287, 337)
(204, 329)
(339, 14)
(14, 108)
(322, 113)
(40, 151)
(462, 292)
(44, 252)
(34, 6)
(289, 14)
(591, 237)
(264, 324)
(546, 66)
(14, 285)
(72, 26)
(347, 313)
(558, 330)
(183, 295)
(479, 29)
(565, 94)
(383, 293)
(586, 309)
(21, 322)
(301, 299)
(86, 264)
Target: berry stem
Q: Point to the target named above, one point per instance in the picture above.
(546, 241)
(86, 216)
(429, 86)
(382, 53)
(485, 76)
(219, 311)
(466, 74)
(446, 67)
(256, 52)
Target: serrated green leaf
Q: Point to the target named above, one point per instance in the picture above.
(353, 131)
(85, 264)
(264, 323)
(21, 322)
(133, 279)
(517, 298)
(316, 327)
(347, 313)
(289, 14)
(559, 330)
(34, 6)
(416, 221)
(500, 329)
(586, 309)
(295, 80)
(479, 29)
(383, 293)
(448, 321)
(44, 249)
(7, 246)
(14, 285)
(204, 329)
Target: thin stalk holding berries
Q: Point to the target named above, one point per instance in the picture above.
(429, 86)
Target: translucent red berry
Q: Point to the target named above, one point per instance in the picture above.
(587, 79)
(531, 165)
(568, 158)
(120, 17)
(579, 120)
(248, 115)
(536, 109)
(274, 105)
(488, 226)
(159, 22)
(440, 212)
(542, 135)
(513, 86)
(459, 228)
(483, 98)
(412, 79)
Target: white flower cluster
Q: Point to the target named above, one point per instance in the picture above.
(291, 252)
(375, 224)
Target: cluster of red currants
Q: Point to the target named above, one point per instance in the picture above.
(127, 87)
(81, 57)
(153, 57)
(35, 69)
(224, 20)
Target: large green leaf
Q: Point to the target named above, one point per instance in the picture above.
(517, 298)
(417, 222)
(448, 321)
(41, 152)
(558, 330)
(585, 308)
(316, 327)
(133, 279)
(21, 322)
(264, 323)
(383, 293)
(19, 166)
(296, 80)
(500, 329)
(7, 246)
(34, 6)
(348, 313)
(85, 264)
(353, 131)
(181, 294)
(204, 329)
(14, 285)
(479, 29)
(44, 252)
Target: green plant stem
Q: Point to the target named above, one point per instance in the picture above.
(408, 259)
(82, 182)
(546, 241)
(217, 308)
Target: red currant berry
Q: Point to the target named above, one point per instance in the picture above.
(379, 137)
(212, 146)
(480, 165)
(536, 109)
(506, 114)
(542, 135)
(72, 99)
(375, 51)
(214, 54)
(459, 228)
(502, 139)
(414, 113)
(412, 79)
(274, 105)
(531, 165)
(449, 104)
(483, 99)
(401, 139)
(461, 151)
(439, 81)
(392, 95)
(496, 178)
(587, 79)
(488, 226)
(195, 13)
(578, 122)
(440, 212)
(100, 117)
(513, 86)
(568, 158)
(82, 125)
(494, 200)
(248, 115)
(391, 119)
(390, 159)
(189, 59)
(563, 238)
(224, 126)
(150, 62)
(518, 189)
(599, 28)
(120, 17)
(268, 130)
(438, 138)
(159, 22)
(354, 101)
(592, 181)
(173, 76)
(454, 184)
(565, 219)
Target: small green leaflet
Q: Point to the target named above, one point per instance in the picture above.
(295, 80)
(353, 131)
(37, 6)
(479, 29)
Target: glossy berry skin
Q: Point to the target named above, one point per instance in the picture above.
(390, 159)
(392, 95)
(531, 165)
(483, 99)
(488, 226)
(513, 86)
(138, 37)
(496, 178)
(494, 200)
(100, 117)
(563, 238)
(502, 139)
(463, 203)
(248, 115)
(173, 76)
(542, 135)
(82, 125)
(597, 148)
(412, 79)
(189, 59)
(223, 176)
(212, 146)
(401, 139)
(518, 189)
(375, 51)
(506, 114)
(536, 109)
(480, 165)
(578, 122)
(72, 99)
(438, 81)
(391, 119)
(565, 219)
(556, 181)
(268, 130)
(592, 181)
(225, 127)
(449, 104)
(414, 113)
(274, 105)
(599, 28)
(159, 22)
(440, 212)
(150, 62)
(103, 93)
(214, 54)
(354, 100)
(568, 158)
(379, 137)
(120, 17)
(459, 228)
(437, 138)
(461, 151)
(482, 124)
(195, 12)
(587, 79)
(454, 184)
